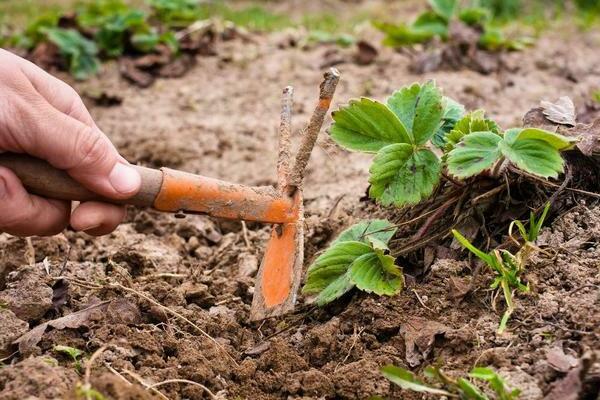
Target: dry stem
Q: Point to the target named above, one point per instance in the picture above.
(327, 89)
(285, 138)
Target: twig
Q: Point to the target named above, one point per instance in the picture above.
(29, 252)
(146, 385)
(88, 371)
(327, 89)
(355, 337)
(285, 138)
(452, 180)
(117, 373)
(441, 209)
(245, 235)
(554, 185)
(563, 185)
(421, 300)
(211, 394)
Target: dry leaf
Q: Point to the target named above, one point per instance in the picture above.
(419, 336)
(78, 319)
(562, 112)
(366, 53)
(560, 361)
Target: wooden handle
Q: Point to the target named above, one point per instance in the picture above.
(42, 179)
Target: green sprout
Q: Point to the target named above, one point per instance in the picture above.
(72, 352)
(507, 268)
(436, 382)
(535, 224)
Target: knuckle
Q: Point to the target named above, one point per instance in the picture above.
(91, 148)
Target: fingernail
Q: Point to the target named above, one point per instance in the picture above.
(88, 228)
(124, 179)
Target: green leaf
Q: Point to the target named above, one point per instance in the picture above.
(470, 391)
(420, 108)
(377, 232)
(495, 381)
(70, 351)
(79, 51)
(535, 156)
(367, 125)
(402, 176)
(444, 8)
(476, 152)
(475, 121)
(432, 24)
(328, 274)
(453, 112)
(403, 35)
(557, 141)
(474, 16)
(407, 380)
(376, 272)
(487, 258)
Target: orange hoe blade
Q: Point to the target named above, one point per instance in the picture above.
(169, 190)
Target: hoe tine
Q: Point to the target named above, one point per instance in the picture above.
(280, 272)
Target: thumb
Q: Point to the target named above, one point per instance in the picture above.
(82, 150)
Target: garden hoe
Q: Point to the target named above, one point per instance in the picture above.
(175, 191)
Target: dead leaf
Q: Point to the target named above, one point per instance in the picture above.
(135, 75)
(76, 320)
(365, 54)
(177, 67)
(567, 388)
(102, 98)
(60, 292)
(560, 361)
(46, 55)
(419, 337)
(460, 287)
(589, 137)
(258, 349)
(562, 111)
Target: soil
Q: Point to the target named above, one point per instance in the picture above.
(221, 120)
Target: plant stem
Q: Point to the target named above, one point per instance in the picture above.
(327, 89)
(285, 141)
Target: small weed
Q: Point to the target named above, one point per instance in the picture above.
(508, 270)
(535, 224)
(88, 393)
(72, 352)
(436, 382)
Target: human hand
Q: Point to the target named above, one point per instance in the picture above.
(42, 116)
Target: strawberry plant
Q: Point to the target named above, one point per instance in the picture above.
(356, 258)
(79, 52)
(507, 268)
(438, 383)
(404, 132)
(117, 26)
(436, 21)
